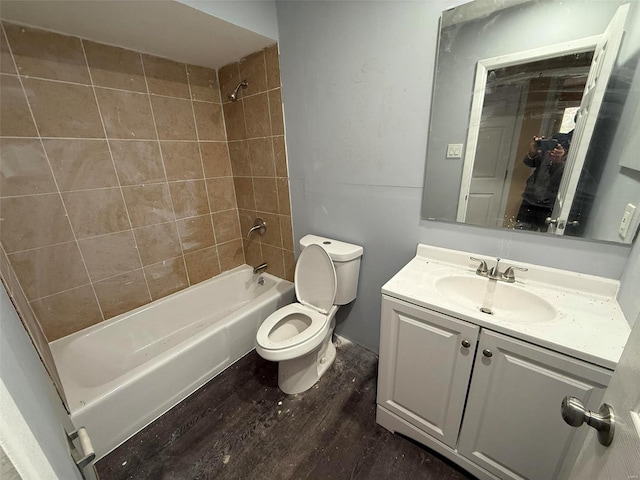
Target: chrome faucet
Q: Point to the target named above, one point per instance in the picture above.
(260, 226)
(260, 268)
(495, 273)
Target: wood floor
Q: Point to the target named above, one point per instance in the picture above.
(241, 426)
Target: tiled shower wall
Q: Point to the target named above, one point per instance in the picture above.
(117, 187)
(255, 131)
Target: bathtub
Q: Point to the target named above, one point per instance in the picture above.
(121, 374)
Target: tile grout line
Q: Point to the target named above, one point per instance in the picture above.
(273, 156)
(248, 152)
(233, 176)
(164, 169)
(64, 206)
(115, 168)
(204, 174)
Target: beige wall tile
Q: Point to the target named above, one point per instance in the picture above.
(96, 212)
(273, 236)
(47, 222)
(256, 112)
(6, 62)
(261, 157)
(174, 118)
(202, 265)
(253, 69)
(63, 109)
(126, 115)
(24, 169)
(195, 233)
(67, 312)
(234, 120)
(15, 117)
(221, 193)
(123, 293)
(189, 198)
(231, 254)
(228, 79)
(284, 203)
(244, 193)
(47, 55)
(273, 66)
(266, 194)
(204, 84)
(275, 109)
(215, 159)
(114, 67)
(274, 258)
(181, 160)
(166, 277)
(137, 162)
(287, 232)
(209, 121)
(158, 242)
(148, 204)
(252, 252)
(289, 265)
(81, 164)
(280, 156)
(239, 156)
(226, 226)
(110, 255)
(48, 270)
(247, 218)
(166, 77)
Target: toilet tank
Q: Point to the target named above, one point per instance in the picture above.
(346, 261)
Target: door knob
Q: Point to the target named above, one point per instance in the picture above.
(574, 413)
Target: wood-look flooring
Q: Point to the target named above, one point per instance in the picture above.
(241, 426)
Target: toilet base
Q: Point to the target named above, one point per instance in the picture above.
(300, 374)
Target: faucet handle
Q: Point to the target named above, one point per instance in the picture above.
(482, 268)
(508, 274)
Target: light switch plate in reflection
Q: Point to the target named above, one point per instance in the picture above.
(626, 220)
(454, 150)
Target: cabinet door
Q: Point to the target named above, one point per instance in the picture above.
(424, 368)
(512, 425)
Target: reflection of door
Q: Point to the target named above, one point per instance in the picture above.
(622, 458)
(601, 68)
(494, 154)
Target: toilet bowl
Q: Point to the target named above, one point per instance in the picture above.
(298, 336)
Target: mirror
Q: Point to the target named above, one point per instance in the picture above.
(509, 71)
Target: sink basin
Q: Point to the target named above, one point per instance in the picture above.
(506, 302)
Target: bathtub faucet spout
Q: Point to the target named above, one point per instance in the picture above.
(260, 268)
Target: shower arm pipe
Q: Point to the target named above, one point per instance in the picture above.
(234, 96)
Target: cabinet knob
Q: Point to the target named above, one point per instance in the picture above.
(466, 343)
(487, 353)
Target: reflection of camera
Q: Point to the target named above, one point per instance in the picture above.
(547, 144)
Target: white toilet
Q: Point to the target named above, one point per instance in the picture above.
(298, 336)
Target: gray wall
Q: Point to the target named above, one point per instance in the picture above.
(356, 79)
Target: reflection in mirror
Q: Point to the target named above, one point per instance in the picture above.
(493, 96)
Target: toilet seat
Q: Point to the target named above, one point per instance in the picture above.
(315, 283)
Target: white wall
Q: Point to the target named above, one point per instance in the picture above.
(32, 415)
(357, 78)
(257, 16)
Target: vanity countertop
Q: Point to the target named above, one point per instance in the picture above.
(589, 324)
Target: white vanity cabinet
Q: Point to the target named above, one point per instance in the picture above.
(414, 341)
(493, 406)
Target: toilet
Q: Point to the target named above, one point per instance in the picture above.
(298, 336)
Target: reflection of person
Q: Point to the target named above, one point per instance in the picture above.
(542, 186)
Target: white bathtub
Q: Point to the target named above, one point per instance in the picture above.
(122, 374)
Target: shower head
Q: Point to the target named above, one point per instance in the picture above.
(234, 96)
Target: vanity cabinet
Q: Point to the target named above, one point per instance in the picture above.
(425, 364)
(492, 406)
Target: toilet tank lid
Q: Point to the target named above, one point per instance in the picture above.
(338, 251)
